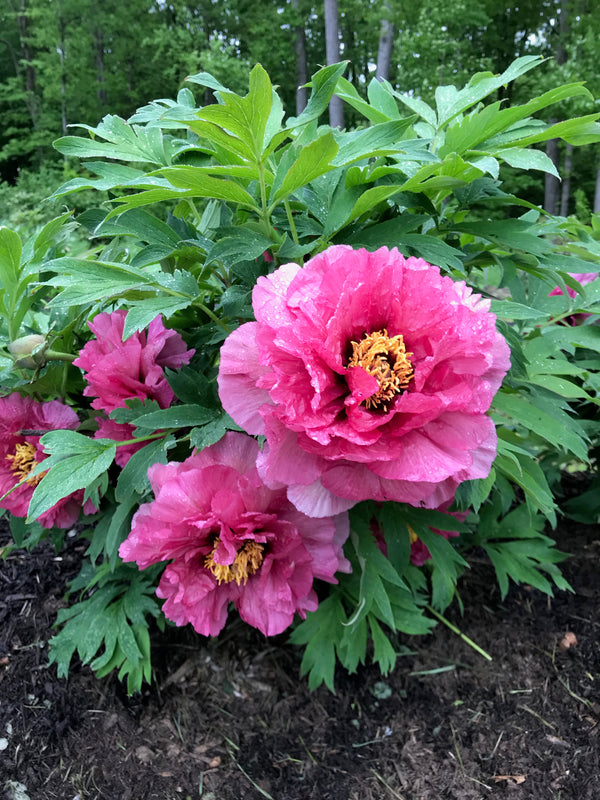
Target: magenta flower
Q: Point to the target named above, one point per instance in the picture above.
(583, 278)
(232, 539)
(370, 375)
(117, 370)
(22, 423)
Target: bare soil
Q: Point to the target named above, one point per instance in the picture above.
(232, 719)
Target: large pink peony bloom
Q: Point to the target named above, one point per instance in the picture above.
(232, 539)
(370, 375)
(22, 422)
(117, 370)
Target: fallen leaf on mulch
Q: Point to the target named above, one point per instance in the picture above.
(511, 778)
(568, 640)
(144, 754)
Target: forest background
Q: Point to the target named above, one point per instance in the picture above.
(66, 62)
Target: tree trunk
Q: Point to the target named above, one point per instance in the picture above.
(301, 64)
(386, 46)
(332, 45)
(27, 56)
(551, 183)
(566, 183)
(597, 193)
(62, 29)
(100, 75)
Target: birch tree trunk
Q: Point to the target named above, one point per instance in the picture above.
(386, 46)
(332, 49)
(301, 64)
(565, 192)
(551, 183)
(597, 193)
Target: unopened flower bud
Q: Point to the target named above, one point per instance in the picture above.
(22, 349)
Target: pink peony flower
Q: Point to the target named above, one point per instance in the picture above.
(370, 375)
(117, 370)
(583, 278)
(232, 539)
(22, 423)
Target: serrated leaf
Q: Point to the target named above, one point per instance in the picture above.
(383, 652)
(321, 632)
(76, 461)
(527, 412)
(183, 416)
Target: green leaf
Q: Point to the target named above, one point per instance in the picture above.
(528, 159)
(383, 652)
(90, 281)
(140, 314)
(244, 244)
(183, 416)
(120, 525)
(554, 427)
(198, 183)
(134, 475)
(75, 462)
(507, 309)
(141, 224)
(111, 175)
(452, 103)
(433, 250)
(348, 93)
(313, 161)
(415, 104)
(10, 260)
(527, 474)
(369, 199)
(321, 632)
(124, 142)
(323, 84)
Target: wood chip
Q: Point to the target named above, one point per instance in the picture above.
(512, 778)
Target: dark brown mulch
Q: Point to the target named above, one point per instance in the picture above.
(232, 720)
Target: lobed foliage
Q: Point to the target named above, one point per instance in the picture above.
(204, 200)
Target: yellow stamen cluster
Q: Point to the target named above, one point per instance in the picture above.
(23, 462)
(247, 561)
(385, 358)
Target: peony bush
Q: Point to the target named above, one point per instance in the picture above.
(300, 375)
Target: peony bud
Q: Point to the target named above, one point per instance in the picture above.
(23, 349)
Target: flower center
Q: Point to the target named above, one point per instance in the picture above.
(413, 536)
(385, 358)
(23, 462)
(247, 561)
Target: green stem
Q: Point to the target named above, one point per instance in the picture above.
(266, 212)
(455, 630)
(212, 316)
(290, 217)
(148, 438)
(56, 355)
